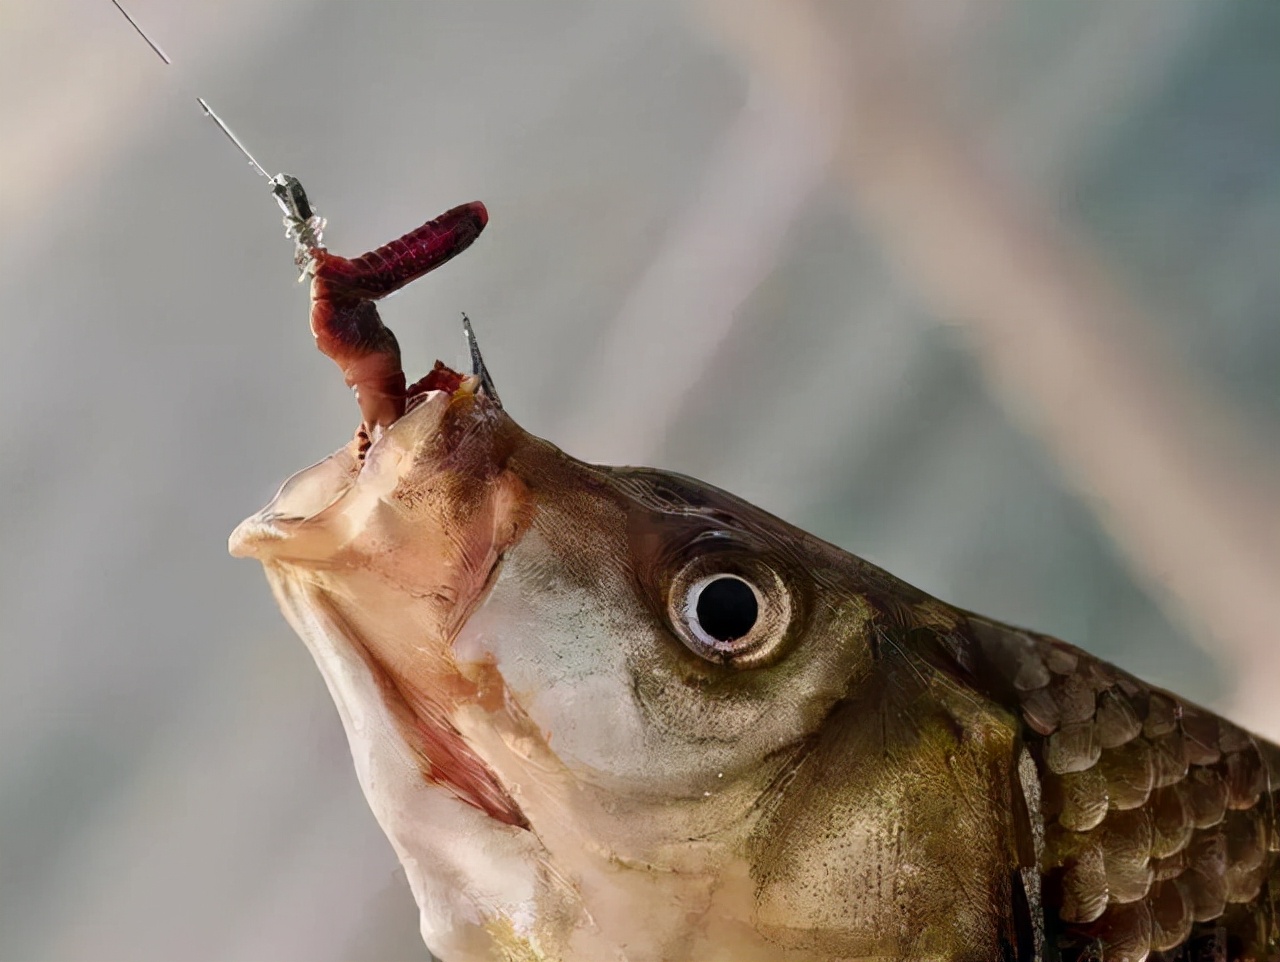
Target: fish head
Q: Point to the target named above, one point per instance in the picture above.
(616, 712)
(548, 669)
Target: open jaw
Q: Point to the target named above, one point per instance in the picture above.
(356, 549)
(378, 553)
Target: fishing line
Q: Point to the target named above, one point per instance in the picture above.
(302, 224)
(143, 34)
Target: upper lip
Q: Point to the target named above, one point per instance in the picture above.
(298, 506)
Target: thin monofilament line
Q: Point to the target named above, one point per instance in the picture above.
(141, 33)
(209, 112)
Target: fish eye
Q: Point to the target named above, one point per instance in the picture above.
(729, 616)
(722, 608)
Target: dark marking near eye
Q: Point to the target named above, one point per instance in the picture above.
(727, 609)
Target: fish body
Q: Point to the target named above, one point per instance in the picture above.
(617, 713)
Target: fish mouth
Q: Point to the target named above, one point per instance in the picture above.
(378, 554)
(348, 329)
(306, 497)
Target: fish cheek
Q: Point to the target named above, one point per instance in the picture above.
(728, 713)
(557, 623)
(732, 719)
(694, 710)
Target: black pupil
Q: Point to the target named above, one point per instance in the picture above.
(727, 609)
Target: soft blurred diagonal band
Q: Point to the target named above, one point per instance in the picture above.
(1170, 471)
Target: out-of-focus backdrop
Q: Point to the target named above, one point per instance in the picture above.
(984, 291)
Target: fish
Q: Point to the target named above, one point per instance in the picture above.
(616, 713)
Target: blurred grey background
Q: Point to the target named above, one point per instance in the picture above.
(984, 291)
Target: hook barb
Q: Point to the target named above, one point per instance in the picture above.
(477, 361)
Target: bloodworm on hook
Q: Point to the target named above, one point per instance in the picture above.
(344, 320)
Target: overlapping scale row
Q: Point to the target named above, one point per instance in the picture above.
(1161, 834)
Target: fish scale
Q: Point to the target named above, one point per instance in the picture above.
(1160, 822)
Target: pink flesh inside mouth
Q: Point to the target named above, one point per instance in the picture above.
(439, 378)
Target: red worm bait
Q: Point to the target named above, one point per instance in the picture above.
(345, 320)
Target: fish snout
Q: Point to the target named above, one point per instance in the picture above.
(448, 427)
